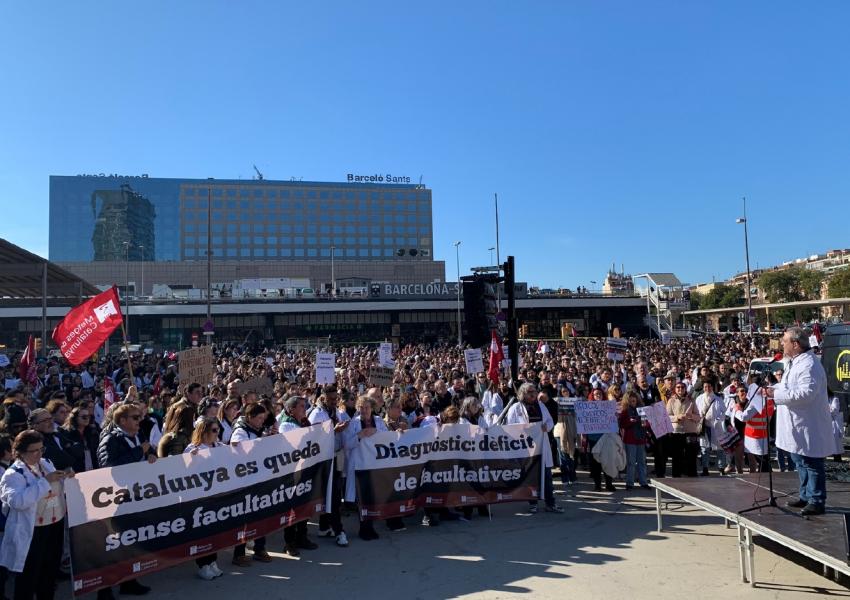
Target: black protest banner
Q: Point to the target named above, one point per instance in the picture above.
(456, 465)
(140, 518)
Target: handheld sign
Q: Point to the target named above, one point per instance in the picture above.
(474, 361)
(385, 355)
(380, 376)
(659, 420)
(196, 365)
(616, 348)
(325, 367)
(596, 417)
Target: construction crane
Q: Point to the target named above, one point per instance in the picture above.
(259, 175)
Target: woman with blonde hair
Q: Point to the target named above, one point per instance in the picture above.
(205, 437)
(178, 427)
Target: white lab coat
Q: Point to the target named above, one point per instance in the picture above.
(803, 422)
(351, 442)
(20, 491)
(712, 409)
(481, 422)
(493, 405)
(517, 414)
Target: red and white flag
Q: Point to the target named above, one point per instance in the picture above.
(108, 394)
(86, 327)
(497, 355)
(26, 368)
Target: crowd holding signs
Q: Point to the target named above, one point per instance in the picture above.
(433, 429)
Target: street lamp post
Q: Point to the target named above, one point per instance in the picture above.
(457, 258)
(127, 287)
(747, 253)
(491, 254)
(142, 275)
(333, 277)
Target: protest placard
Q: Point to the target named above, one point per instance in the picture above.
(775, 344)
(659, 420)
(616, 348)
(262, 386)
(474, 361)
(380, 376)
(596, 417)
(325, 367)
(196, 365)
(385, 355)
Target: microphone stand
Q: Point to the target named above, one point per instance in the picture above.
(771, 499)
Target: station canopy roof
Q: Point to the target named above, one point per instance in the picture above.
(665, 279)
(22, 272)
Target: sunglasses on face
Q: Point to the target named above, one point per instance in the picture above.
(216, 430)
(136, 417)
(84, 417)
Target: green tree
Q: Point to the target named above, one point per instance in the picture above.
(722, 296)
(791, 285)
(839, 284)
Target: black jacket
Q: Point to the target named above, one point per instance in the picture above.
(55, 451)
(78, 444)
(114, 450)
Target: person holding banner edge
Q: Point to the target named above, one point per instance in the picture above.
(330, 523)
(32, 544)
(250, 427)
(295, 536)
(205, 437)
(530, 410)
(121, 445)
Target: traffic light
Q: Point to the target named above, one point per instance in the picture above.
(479, 305)
(523, 331)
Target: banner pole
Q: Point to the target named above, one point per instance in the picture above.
(127, 350)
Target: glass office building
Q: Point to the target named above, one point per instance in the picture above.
(116, 218)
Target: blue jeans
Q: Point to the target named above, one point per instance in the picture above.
(635, 459)
(705, 459)
(568, 468)
(784, 459)
(812, 475)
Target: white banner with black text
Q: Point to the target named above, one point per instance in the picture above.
(134, 519)
(455, 465)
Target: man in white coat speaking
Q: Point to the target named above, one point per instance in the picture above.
(803, 422)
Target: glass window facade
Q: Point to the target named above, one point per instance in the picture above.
(166, 219)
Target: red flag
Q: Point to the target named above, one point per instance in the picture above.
(86, 327)
(497, 355)
(157, 385)
(108, 394)
(816, 331)
(26, 368)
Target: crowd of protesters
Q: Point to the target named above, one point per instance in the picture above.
(57, 425)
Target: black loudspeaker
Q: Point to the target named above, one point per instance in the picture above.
(479, 308)
(835, 352)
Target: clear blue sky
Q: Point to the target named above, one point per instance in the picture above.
(614, 132)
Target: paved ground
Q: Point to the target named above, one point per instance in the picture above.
(604, 545)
